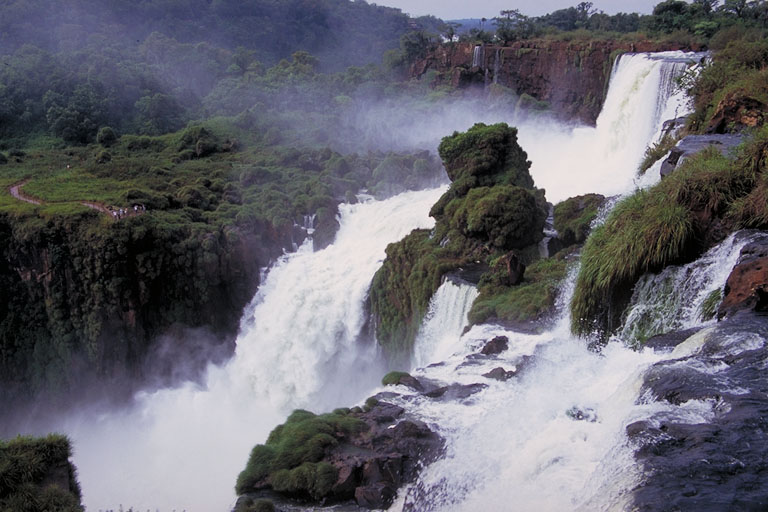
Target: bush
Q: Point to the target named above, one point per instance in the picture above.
(106, 136)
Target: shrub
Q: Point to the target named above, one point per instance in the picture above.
(573, 217)
(106, 136)
(393, 378)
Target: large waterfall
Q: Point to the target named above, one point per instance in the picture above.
(551, 438)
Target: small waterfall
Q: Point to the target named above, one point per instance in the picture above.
(496, 66)
(675, 298)
(478, 56)
(446, 317)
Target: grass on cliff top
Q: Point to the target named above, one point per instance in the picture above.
(666, 224)
(25, 463)
(290, 460)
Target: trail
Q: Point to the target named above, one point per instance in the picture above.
(109, 211)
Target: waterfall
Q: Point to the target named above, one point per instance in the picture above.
(678, 296)
(478, 56)
(496, 65)
(604, 159)
(300, 347)
(446, 317)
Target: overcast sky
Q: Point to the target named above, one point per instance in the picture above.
(457, 9)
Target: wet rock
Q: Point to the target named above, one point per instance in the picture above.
(747, 286)
(468, 274)
(673, 127)
(499, 374)
(670, 340)
(384, 412)
(402, 379)
(456, 391)
(708, 452)
(496, 346)
(692, 144)
(582, 414)
(376, 496)
(514, 269)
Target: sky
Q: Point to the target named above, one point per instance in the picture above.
(457, 9)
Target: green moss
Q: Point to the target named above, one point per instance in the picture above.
(655, 228)
(393, 378)
(531, 300)
(289, 459)
(573, 217)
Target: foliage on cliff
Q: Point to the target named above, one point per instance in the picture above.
(674, 222)
(290, 460)
(85, 294)
(36, 475)
(490, 209)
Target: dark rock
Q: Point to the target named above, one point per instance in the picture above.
(692, 144)
(720, 461)
(468, 274)
(499, 374)
(376, 496)
(747, 286)
(673, 127)
(735, 112)
(496, 346)
(582, 414)
(670, 340)
(456, 391)
(513, 267)
(384, 412)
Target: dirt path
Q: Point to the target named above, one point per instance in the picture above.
(15, 191)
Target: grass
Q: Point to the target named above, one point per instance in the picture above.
(670, 223)
(573, 217)
(656, 152)
(26, 464)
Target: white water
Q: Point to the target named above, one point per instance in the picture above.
(444, 322)
(673, 299)
(182, 449)
(604, 159)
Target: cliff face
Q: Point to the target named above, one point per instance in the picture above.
(80, 302)
(571, 76)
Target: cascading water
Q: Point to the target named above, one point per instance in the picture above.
(444, 322)
(551, 437)
(680, 297)
(478, 56)
(604, 159)
(300, 348)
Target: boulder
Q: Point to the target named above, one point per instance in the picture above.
(747, 285)
(496, 346)
(456, 391)
(692, 144)
(499, 373)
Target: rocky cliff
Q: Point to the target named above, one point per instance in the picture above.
(571, 76)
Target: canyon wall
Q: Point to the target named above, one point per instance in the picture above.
(570, 76)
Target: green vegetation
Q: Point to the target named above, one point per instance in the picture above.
(393, 378)
(573, 217)
(489, 209)
(250, 505)
(531, 300)
(710, 304)
(673, 222)
(289, 460)
(36, 475)
(656, 152)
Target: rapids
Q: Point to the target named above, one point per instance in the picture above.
(304, 345)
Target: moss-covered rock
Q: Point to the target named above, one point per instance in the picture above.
(36, 475)
(490, 208)
(573, 217)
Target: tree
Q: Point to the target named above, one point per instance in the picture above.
(512, 25)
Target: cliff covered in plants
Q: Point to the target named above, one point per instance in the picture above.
(112, 252)
(491, 215)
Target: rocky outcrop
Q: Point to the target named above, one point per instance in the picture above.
(692, 144)
(747, 285)
(364, 457)
(571, 76)
(735, 112)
